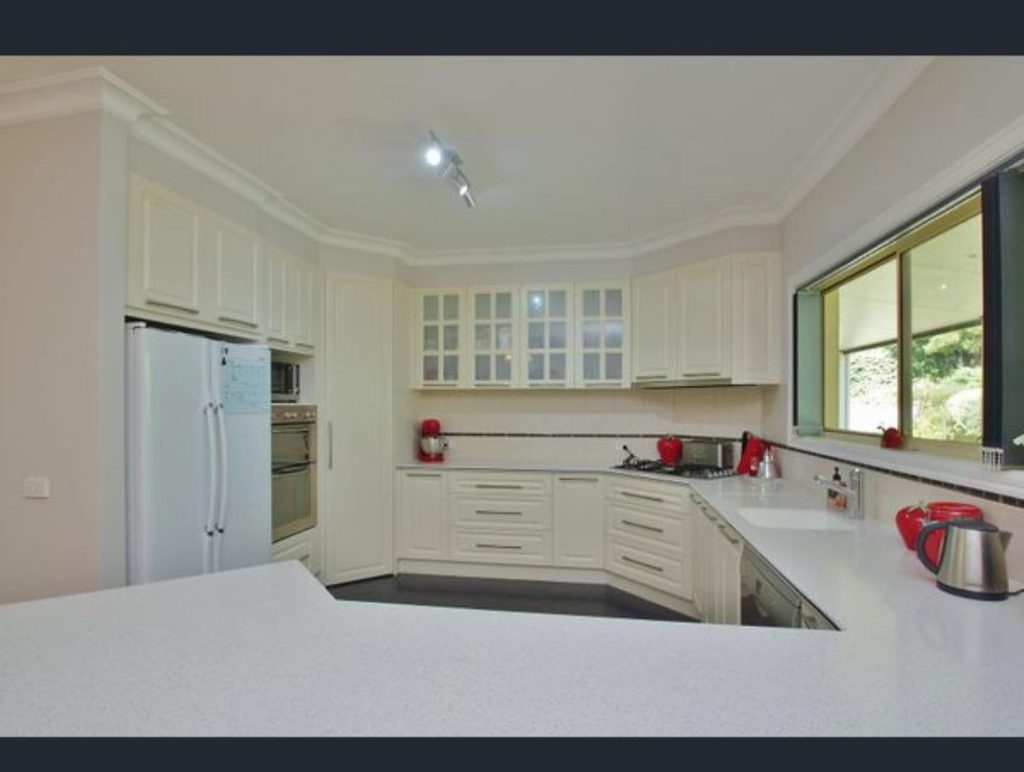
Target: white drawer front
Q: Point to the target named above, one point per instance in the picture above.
(671, 575)
(664, 532)
(509, 484)
(668, 498)
(480, 546)
(505, 511)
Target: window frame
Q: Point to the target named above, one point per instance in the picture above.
(960, 210)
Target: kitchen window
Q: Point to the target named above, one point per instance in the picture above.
(901, 338)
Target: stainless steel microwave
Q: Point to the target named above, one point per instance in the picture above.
(284, 382)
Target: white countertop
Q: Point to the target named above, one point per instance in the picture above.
(267, 651)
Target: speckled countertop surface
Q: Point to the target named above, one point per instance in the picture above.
(267, 651)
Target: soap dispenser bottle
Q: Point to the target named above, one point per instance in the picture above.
(836, 500)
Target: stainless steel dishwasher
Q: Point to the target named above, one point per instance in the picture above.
(768, 600)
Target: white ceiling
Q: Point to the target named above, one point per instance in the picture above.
(561, 151)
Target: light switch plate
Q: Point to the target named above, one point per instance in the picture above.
(36, 488)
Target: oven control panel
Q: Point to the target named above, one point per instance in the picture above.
(292, 414)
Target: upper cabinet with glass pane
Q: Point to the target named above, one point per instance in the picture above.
(602, 332)
(546, 326)
(439, 319)
(492, 336)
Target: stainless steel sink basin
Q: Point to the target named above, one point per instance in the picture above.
(795, 519)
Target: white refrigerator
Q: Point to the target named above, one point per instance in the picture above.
(197, 454)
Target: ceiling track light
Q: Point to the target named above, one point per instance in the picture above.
(450, 165)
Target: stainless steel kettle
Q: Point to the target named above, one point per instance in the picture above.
(973, 559)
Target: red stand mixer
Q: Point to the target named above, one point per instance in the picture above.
(433, 444)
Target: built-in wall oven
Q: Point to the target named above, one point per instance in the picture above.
(293, 471)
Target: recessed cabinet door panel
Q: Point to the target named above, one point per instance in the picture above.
(306, 280)
(705, 320)
(578, 537)
(756, 331)
(423, 525)
(235, 256)
(654, 333)
(166, 250)
(278, 275)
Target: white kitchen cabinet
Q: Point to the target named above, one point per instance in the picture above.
(278, 280)
(358, 462)
(305, 304)
(577, 521)
(165, 262)
(440, 316)
(236, 265)
(601, 338)
(493, 336)
(422, 515)
(654, 332)
(717, 582)
(756, 335)
(547, 335)
(704, 320)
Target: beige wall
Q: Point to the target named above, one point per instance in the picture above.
(55, 395)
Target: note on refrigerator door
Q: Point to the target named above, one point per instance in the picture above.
(245, 384)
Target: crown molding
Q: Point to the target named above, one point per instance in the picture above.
(96, 88)
(880, 91)
(73, 92)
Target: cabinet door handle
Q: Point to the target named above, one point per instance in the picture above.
(644, 527)
(650, 377)
(577, 479)
(330, 444)
(723, 529)
(497, 512)
(496, 486)
(422, 474)
(641, 563)
(642, 496)
(499, 546)
(236, 320)
(701, 375)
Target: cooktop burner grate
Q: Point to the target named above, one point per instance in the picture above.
(697, 471)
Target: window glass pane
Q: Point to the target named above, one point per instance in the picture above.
(483, 337)
(557, 300)
(451, 307)
(430, 370)
(535, 335)
(862, 369)
(451, 368)
(535, 371)
(592, 302)
(945, 276)
(591, 335)
(557, 367)
(613, 366)
(430, 308)
(430, 338)
(482, 305)
(503, 335)
(483, 367)
(556, 334)
(535, 303)
(503, 367)
(592, 367)
(613, 302)
(613, 334)
(451, 337)
(503, 305)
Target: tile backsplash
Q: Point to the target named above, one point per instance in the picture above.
(713, 411)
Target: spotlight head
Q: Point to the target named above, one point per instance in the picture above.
(434, 155)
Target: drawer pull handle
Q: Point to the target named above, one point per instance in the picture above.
(641, 563)
(658, 377)
(495, 486)
(644, 527)
(497, 512)
(499, 546)
(701, 375)
(725, 533)
(422, 474)
(577, 479)
(642, 496)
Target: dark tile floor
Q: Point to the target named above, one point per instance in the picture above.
(505, 595)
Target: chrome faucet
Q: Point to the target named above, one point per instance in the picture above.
(854, 492)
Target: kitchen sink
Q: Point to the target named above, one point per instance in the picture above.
(795, 519)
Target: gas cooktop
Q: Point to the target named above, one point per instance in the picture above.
(697, 471)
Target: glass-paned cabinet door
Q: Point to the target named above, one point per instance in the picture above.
(546, 326)
(602, 334)
(492, 336)
(439, 317)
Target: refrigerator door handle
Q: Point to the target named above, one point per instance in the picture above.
(211, 446)
(222, 446)
(330, 444)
